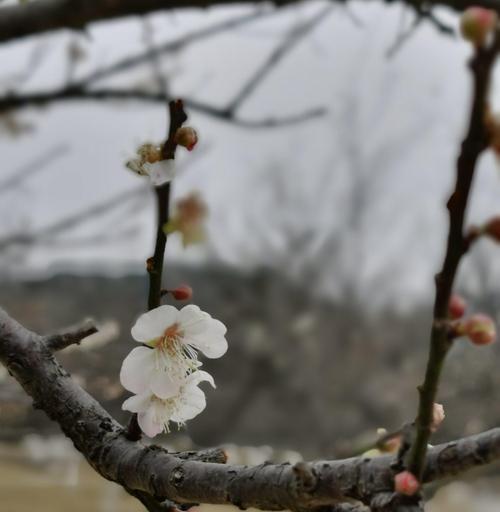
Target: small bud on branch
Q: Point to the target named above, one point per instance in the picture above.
(186, 137)
(477, 24)
(406, 483)
(457, 307)
(480, 329)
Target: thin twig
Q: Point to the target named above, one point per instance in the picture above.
(155, 263)
(73, 336)
(473, 145)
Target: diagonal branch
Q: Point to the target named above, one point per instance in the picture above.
(183, 478)
(294, 36)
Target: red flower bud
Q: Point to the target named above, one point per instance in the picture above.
(186, 137)
(476, 23)
(456, 307)
(492, 229)
(182, 292)
(480, 329)
(406, 483)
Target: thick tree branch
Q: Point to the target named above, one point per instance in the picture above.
(46, 15)
(182, 478)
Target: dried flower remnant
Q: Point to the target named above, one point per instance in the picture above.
(148, 162)
(188, 219)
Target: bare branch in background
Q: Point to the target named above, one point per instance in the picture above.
(37, 165)
(74, 220)
(47, 15)
(292, 38)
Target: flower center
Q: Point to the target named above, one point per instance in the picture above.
(170, 340)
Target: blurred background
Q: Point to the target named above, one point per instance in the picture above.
(328, 137)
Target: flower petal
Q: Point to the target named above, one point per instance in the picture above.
(202, 331)
(137, 403)
(163, 385)
(199, 376)
(136, 369)
(152, 324)
(148, 424)
(193, 403)
(160, 172)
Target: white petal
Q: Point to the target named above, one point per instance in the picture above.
(137, 403)
(152, 324)
(199, 376)
(148, 424)
(213, 346)
(163, 385)
(202, 331)
(193, 403)
(136, 369)
(135, 165)
(160, 172)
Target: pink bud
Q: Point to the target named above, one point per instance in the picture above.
(480, 329)
(437, 416)
(476, 23)
(182, 292)
(456, 306)
(186, 137)
(492, 228)
(406, 483)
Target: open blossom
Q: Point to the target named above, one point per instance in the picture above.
(149, 163)
(154, 414)
(188, 218)
(173, 338)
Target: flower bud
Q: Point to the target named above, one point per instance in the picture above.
(437, 416)
(456, 307)
(182, 292)
(480, 329)
(492, 229)
(476, 23)
(406, 483)
(186, 137)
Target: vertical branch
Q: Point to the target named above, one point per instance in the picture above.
(475, 142)
(155, 264)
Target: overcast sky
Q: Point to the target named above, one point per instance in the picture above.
(408, 115)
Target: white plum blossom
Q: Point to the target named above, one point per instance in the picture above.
(148, 162)
(173, 338)
(154, 414)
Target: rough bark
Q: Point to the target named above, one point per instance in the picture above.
(185, 478)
